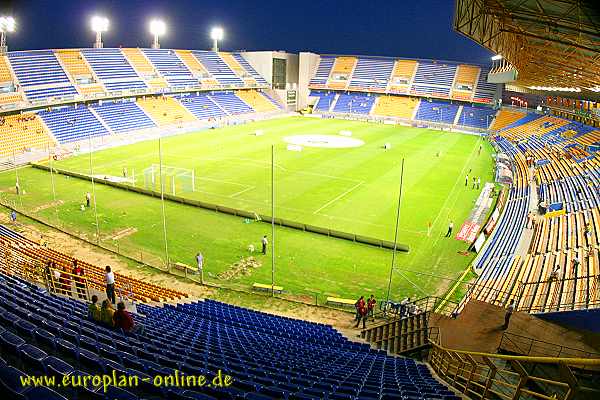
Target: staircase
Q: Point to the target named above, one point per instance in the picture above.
(400, 336)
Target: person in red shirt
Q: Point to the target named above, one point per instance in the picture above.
(359, 303)
(122, 319)
(65, 282)
(79, 280)
(371, 307)
(362, 314)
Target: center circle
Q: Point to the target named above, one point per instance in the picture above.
(326, 141)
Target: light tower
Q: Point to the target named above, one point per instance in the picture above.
(99, 25)
(157, 28)
(216, 34)
(7, 24)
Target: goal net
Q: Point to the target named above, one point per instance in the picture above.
(176, 180)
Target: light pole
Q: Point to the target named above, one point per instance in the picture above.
(157, 28)
(7, 24)
(216, 34)
(99, 25)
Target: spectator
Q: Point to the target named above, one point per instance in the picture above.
(107, 312)
(509, 310)
(65, 282)
(94, 310)
(264, 242)
(13, 216)
(371, 307)
(123, 320)
(48, 274)
(362, 314)
(359, 303)
(55, 284)
(450, 227)
(200, 262)
(79, 280)
(403, 305)
(110, 284)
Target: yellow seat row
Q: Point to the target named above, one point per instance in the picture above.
(505, 118)
(396, 106)
(19, 133)
(256, 100)
(73, 62)
(165, 110)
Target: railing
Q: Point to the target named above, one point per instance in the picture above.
(560, 294)
(528, 346)
(395, 310)
(493, 376)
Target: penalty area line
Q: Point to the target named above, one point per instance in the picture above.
(242, 191)
(338, 197)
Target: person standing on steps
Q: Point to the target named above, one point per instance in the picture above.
(362, 314)
(264, 242)
(509, 310)
(110, 285)
(88, 199)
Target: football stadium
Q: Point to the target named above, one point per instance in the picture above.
(180, 222)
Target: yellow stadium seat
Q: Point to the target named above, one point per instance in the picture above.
(256, 100)
(5, 75)
(74, 63)
(165, 110)
(19, 133)
(139, 61)
(396, 106)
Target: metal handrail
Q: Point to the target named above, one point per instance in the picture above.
(530, 343)
(489, 376)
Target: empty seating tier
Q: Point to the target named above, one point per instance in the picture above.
(402, 76)
(505, 118)
(91, 89)
(5, 75)
(109, 64)
(170, 66)
(22, 132)
(257, 101)
(37, 67)
(465, 82)
(202, 106)
(322, 73)
(123, 116)
(165, 110)
(10, 97)
(229, 102)
(74, 63)
(70, 124)
(433, 79)
(324, 100)
(192, 63)
(372, 74)
(436, 111)
(476, 116)
(218, 68)
(249, 69)
(396, 106)
(138, 61)
(354, 103)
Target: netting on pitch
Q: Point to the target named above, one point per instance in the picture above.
(176, 180)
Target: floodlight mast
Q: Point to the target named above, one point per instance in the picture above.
(216, 34)
(157, 28)
(7, 24)
(99, 25)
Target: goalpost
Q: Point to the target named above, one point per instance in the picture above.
(176, 180)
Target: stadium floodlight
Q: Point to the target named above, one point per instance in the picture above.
(7, 24)
(157, 28)
(497, 57)
(99, 25)
(216, 34)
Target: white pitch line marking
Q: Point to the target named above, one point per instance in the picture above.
(339, 197)
(242, 191)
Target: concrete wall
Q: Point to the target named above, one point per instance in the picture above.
(306, 68)
(262, 62)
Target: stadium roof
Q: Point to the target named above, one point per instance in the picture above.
(552, 43)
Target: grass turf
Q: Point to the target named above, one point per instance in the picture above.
(353, 190)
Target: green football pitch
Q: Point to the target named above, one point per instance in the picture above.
(348, 189)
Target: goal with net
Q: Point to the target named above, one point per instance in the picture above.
(176, 180)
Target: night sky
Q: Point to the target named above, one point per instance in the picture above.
(421, 28)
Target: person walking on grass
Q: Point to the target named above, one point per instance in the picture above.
(110, 285)
(88, 199)
(467, 180)
(478, 182)
(509, 311)
(429, 229)
(450, 227)
(13, 216)
(264, 243)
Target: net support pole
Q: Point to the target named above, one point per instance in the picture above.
(162, 202)
(53, 187)
(93, 188)
(394, 250)
(17, 183)
(273, 220)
